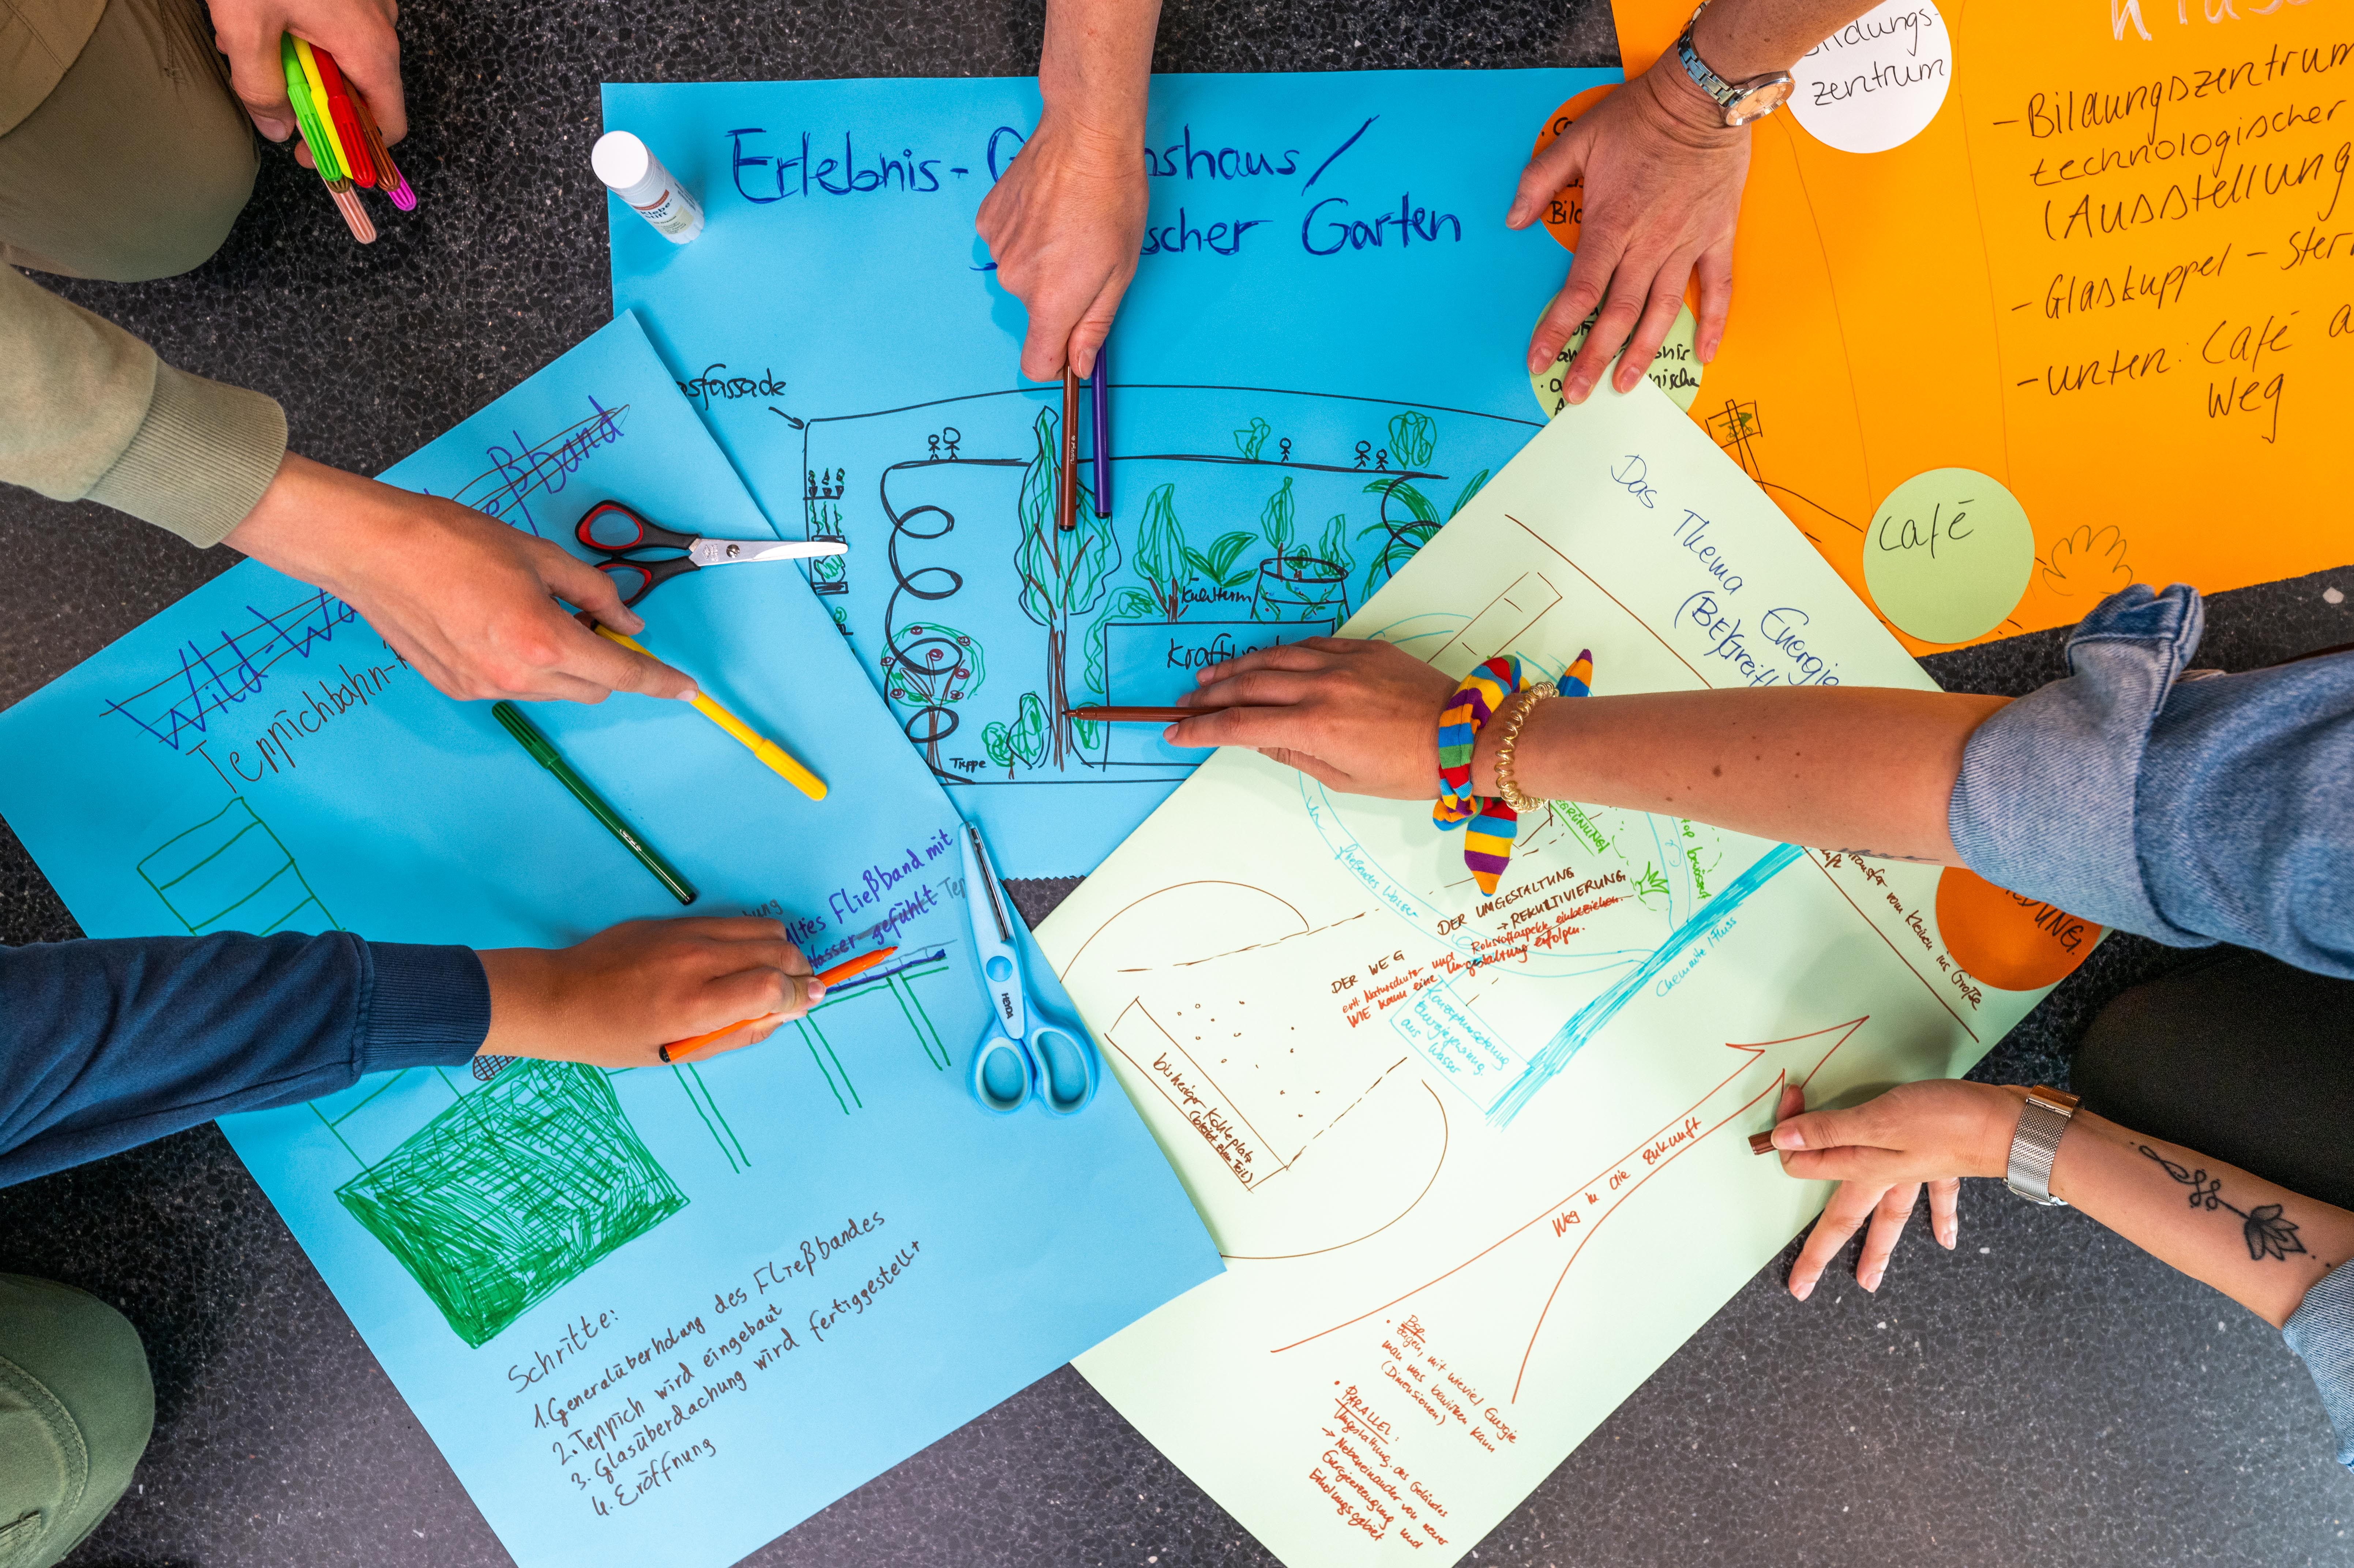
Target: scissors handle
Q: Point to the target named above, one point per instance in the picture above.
(1004, 1073)
(635, 579)
(612, 529)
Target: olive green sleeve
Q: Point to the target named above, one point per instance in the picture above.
(88, 412)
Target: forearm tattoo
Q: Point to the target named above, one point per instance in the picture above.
(2263, 1228)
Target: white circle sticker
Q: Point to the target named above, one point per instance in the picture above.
(1877, 83)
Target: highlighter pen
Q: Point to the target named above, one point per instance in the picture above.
(783, 763)
(543, 751)
(678, 1051)
(389, 177)
(320, 107)
(339, 114)
(1099, 390)
(307, 115)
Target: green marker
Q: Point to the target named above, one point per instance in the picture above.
(544, 752)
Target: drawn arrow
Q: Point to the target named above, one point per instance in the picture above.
(1574, 1219)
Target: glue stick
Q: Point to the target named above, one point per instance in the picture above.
(638, 177)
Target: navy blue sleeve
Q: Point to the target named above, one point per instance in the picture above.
(104, 1045)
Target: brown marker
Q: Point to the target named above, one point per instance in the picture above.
(1761, 1143)
(1134, 716)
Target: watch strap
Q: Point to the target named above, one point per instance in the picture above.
(2035, 1144)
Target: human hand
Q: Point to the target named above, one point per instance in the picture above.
(1663, 175)
(1065, 223)
(616, 999)
(1881, 1153)
(1359, 716)
(462, 597)
(358, 33)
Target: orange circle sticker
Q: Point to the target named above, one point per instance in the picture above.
(2007, 939)
(1561, 214)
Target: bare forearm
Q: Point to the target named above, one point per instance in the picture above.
(1745, 39)
(1096, 65)
(1864, 769)
(2261, 1245)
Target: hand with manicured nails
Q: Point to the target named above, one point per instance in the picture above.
(358, 33)
(1882, 1153)
(615, 999)
(464, 599)
(1663, 175)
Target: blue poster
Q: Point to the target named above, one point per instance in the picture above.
(1322, 359)
(660, 1315)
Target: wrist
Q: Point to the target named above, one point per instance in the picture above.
(1676, 106)
(299, 526)
(522, 989)
(1997, 1127)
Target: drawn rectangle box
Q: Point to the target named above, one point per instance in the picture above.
(1188, 1087)
(1449, 1034)
(230, 873)
(513, 1192)
(1150, 663)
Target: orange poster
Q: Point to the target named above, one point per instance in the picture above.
(2081, 315)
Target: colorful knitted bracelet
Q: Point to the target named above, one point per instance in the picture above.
(1489, 824)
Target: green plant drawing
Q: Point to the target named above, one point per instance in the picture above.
(1274, 519)
(1064, 574)
(1162, 558)
(1401, 538)
(931, 668)
(1023, 740)
(1652, 881)
(511, 1194)
(1333, 549)
(1413, 434)
(230, 873)
(1252, 440)
(1128, 604)
(1219, 563)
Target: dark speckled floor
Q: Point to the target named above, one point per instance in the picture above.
(2043, 1394)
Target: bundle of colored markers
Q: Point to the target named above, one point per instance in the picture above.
(344, 143)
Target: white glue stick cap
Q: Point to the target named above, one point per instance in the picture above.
(621, 161)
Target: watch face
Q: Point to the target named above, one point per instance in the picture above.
(1756, 103)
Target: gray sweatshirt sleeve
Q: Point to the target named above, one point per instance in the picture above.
(87, 412)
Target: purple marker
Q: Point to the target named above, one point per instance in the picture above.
(1099, 387)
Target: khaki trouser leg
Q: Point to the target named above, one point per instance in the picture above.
(139, 162)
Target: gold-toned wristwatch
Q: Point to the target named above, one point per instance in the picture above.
(2043, 1122)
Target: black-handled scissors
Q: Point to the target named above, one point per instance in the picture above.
(620, 535)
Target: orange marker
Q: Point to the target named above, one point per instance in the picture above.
(678, 1051)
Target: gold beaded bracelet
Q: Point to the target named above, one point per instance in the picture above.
(1523, 701)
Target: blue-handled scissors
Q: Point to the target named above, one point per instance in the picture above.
(1025, 1055)
(624, 539)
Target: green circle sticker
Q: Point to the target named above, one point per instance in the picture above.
(1675, 371)
(1949, 555)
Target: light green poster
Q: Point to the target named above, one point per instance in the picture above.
(1478, 1165)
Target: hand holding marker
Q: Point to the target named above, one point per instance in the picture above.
(346, 148)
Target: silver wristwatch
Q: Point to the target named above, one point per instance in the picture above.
(1741, 102)
(2042, 1122)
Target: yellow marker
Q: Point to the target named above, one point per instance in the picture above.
(318, 85)
(759, 745)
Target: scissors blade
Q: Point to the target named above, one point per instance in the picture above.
(993, 941)
(736, 551)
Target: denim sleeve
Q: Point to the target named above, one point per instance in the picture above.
(2192, 812)
(104, 1045)
(2321, 1330)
